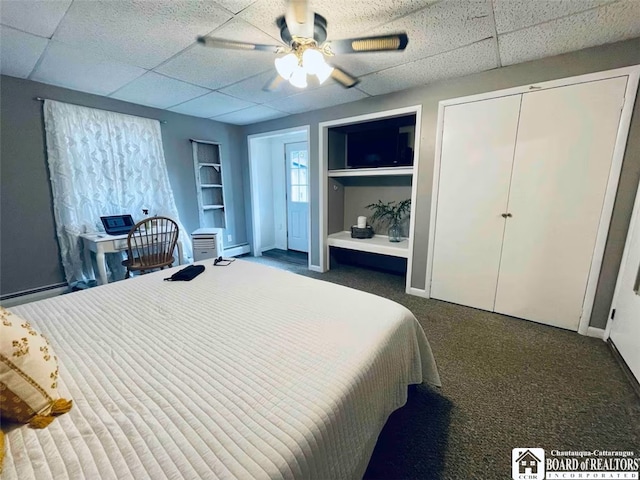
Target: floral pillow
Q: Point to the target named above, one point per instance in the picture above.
(28, 376)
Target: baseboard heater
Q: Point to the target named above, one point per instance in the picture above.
(236, 250)
(625, 368)
(33, 294)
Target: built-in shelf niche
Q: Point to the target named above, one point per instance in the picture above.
(209, 183)
(348, 190)
(375, 144)
(349, 196)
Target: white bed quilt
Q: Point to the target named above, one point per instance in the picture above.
(245, 372)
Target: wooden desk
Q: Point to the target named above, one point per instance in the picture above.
(101, 243)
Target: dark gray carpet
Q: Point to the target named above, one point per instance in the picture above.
(507, 383)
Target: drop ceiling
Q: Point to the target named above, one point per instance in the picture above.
(144, 51)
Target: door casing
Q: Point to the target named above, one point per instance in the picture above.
(630, 260)
(256, 247)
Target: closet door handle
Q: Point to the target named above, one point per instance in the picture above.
(509, 215)
(505, 215)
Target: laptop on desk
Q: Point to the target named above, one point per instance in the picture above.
(117, 224)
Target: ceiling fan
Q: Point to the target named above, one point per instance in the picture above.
(305, 48)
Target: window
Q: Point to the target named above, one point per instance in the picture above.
(299, 168)
(103, 163)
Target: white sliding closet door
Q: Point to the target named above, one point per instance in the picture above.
(475, 170)
(566, 138)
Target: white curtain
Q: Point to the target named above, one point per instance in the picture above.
(103, 163)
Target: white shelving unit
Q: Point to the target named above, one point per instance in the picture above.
(378, 244)
(207, 161)
(372, 172)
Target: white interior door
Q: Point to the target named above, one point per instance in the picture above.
(297, 155)
(625, 327)
(475, 168)
(566, 138)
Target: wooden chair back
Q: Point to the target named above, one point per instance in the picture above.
(151, 243)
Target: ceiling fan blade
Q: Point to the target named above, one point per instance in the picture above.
(397, 41)
(273, 83)
(343, 78)
(299, 18)
(220, 43)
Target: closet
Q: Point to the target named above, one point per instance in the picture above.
(520, 193)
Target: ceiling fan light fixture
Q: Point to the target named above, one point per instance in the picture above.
(312, 60)
(286, 65)
(298, 78)
(324, 72)
(314, 64)
(304, 48)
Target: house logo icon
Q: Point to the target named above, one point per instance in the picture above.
(527, 464)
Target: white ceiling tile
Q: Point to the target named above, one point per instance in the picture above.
(143, 33)
(513, 15)
(323, 97)
(464, 61)
(158, 91)
(211, 105)
(235, 6)
(37, 17)
(251, 89)
(263, 14)
(436, 29)
(612, 23)
(218, 67)
(358, 18)
(259, 113)
(73, 68)
(20, 52)
(345, 19)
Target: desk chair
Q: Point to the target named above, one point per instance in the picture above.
(150, 245)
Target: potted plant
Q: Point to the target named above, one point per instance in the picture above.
(391, 213)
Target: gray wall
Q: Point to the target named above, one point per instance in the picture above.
(29, 255)
(365, 191)
(576, 63)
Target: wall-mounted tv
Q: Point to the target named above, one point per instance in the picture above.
(385, 147)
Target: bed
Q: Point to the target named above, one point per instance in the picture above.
(247, 371)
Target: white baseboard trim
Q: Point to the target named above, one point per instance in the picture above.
(316, 268)
(20, 298)
(418, 292)
(237, 250)
(264, 249)
(595, 332)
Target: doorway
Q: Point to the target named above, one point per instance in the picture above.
(297, 173)
(280, 196)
